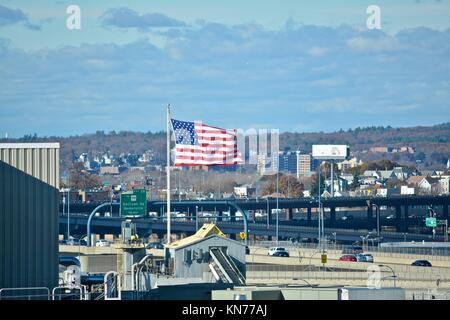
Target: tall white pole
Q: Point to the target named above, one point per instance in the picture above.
(168, 174)
(319, 216)
(277, 209)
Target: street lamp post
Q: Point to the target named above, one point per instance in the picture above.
(79, 244)
(68, 207)
(196, 218)
(319, 215)
(394, 276)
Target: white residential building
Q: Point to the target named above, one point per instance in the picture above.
(405, 190)
(445, 185)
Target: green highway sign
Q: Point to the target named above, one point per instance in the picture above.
(106, 183)
(431, 222)
(133, 203)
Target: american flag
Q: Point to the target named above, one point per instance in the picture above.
(197, 144)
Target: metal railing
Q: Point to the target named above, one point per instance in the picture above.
(25, 296)
(436, 253)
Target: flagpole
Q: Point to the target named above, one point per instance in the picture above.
(168, 174)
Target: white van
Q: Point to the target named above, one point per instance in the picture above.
(278, 252)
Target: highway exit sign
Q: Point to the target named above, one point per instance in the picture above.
(133, 203)
(431, 222)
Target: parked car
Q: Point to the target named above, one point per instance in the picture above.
(348, 257)
(364, 257)
(154, 245)
(278, 252)
(421, 263)
(102, 243)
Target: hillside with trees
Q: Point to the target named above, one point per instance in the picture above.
(431, 144)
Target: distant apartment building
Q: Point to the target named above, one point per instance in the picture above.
(287, 162)
(445, 185)
(345, 165)
(267, 164)
(380, 149)
(304, 165)
(109, 170)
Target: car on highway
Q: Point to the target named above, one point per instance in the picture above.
(421, 263)
(76, 242)
(154, 245)
(349, 258)
(391, 216)
(364, 257)
(278, 252)
(102, 243)
(347, 217)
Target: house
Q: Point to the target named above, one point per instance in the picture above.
(428, 184)
(348, 177)
(387, 174)
(414, 180)
(402, 173)
(386, 192)
(405, 190)
(368, 180)
(371, 173)
(244, 191)
(429, 173)
(444, 184)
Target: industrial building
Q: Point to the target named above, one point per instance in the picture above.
(29, 181)
(206, 255)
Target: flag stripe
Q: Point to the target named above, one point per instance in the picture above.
(200, 144)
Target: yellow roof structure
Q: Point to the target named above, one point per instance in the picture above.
(205, 231)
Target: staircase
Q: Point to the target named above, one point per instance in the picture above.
(223, 267)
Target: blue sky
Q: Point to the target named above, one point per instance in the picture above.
(288, 65)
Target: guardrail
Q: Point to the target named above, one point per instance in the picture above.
(280, 273)
(436, 253)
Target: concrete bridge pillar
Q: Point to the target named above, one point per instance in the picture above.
(332, 216)
(370, 217)
(233, 215)
(308, 216)
(398, 218)
(269, 213)
(405, 219)
(290, 214)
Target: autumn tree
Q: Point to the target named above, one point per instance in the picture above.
(287, 185)
(79, 178)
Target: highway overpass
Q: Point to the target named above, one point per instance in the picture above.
(147, 226)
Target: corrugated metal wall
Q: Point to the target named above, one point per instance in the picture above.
(28, 230)
(41, 160)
